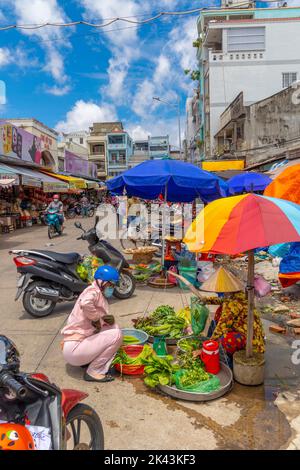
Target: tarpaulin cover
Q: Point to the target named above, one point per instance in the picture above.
(286, 185)
(184, 182)
(291, 262)
(248, 182)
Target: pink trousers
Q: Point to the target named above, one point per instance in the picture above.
(97, 350)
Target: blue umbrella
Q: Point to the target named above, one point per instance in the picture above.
(177, 181)
(248, 182)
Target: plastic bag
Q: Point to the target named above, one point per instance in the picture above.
(88, 267)
(206, 269)
(280, 250)
(261, 286)
(199, 316)
(206, 386)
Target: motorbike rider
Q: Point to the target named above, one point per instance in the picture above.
(91, 335)
(58, 206)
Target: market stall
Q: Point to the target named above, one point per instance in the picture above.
(173, 180)
(240, 224)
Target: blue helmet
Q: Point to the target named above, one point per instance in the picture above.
(107, 273)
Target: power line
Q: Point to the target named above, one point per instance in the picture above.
(109, 22)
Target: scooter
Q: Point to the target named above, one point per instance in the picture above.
(53, 222)
(39, 410)
(47, 278)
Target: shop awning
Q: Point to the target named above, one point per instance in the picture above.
(29, 177)
(7, 182)
(34, 178)
(223, 165)
(74, 183)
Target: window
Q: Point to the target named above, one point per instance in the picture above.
(81, 140)
(116, 139)
(246, 39)
(288, 79)
(98, 149)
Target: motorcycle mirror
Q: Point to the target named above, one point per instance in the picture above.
(78, 225)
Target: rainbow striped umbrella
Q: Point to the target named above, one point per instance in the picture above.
(240, 224)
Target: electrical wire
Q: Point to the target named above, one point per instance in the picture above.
(110, 22)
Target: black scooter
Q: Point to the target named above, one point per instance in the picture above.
(47, 278)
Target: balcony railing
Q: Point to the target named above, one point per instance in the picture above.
(219, 56)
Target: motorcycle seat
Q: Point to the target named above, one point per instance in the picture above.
(65, 258)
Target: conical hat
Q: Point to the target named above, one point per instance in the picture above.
(222, 281)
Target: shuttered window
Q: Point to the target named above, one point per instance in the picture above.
(246, 39)
(288, 79)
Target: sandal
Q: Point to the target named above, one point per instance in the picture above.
(89, 378)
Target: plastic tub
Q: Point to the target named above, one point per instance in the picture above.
(141, 336)
(131, 351)
(189, 273)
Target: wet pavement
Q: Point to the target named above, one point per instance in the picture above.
(134, 417)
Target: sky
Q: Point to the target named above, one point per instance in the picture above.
(69, 78)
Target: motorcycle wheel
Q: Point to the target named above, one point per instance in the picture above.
(37, 308)
(79, 439)
(51, 232)
(126, 286)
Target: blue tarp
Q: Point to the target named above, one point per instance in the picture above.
(291, 262)
(248, 182)
(185, 182)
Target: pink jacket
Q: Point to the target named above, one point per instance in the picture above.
(91, 306)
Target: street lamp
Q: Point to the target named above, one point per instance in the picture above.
(177, 105)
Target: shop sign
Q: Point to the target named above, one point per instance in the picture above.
(19, 144)
(32, 182)
(55, 187)
(78, 166)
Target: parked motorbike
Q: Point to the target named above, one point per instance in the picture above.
(73, 210)
(34, 411)
(53, 222)
(47, 278)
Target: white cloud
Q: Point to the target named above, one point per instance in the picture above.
(58, 91)
(84, 113)
(123, 44)
(43, 11)
(5, 56)
(180, 41)
(138, 132)
(163, 69)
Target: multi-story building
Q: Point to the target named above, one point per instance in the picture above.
(46, 139)
(110, 147)
(77, 137)
(264, 132)
(119, 151)
(159, 146)
(192, 140)
(254, 50)
(74, 158)
(97, 146)
(140, 152)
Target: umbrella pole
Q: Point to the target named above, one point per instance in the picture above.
(250, 286)
(163, 243)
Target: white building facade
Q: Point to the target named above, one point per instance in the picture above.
(253, 50)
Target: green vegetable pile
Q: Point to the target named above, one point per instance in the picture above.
(122, 357)
(190, 344)
(159, 370)
(128, 339)
(163, 321)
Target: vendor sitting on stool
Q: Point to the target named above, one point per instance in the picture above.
(91, 335)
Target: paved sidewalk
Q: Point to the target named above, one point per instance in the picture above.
(133, 416)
